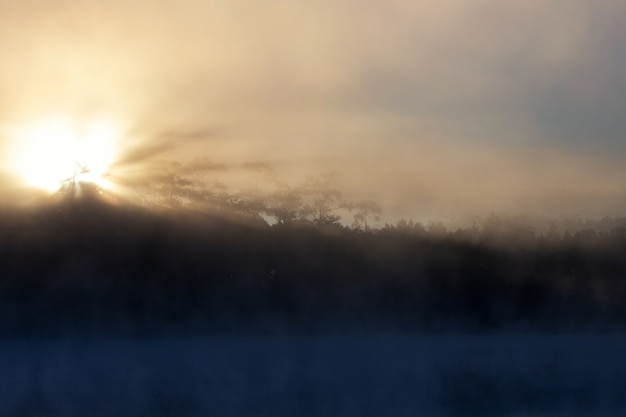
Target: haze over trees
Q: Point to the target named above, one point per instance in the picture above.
(191, 255)
(318, 199)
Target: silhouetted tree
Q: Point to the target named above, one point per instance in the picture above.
(364, 210)
(437, 228)
(284, 205)
(324, 199)
(247, 205)
(553, 234)
(402, 225)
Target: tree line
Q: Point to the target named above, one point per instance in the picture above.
(193, 255)
(317, 200)
(80, 265)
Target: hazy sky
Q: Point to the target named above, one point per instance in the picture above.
(436, 108)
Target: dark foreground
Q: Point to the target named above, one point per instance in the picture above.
(91, 293)
(386, 375)
(84, 267)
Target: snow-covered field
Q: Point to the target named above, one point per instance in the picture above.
(514, 375)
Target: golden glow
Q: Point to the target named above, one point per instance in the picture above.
(59, 150)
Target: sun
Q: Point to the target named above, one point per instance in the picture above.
(55, 152)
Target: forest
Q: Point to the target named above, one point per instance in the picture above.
(294, 260)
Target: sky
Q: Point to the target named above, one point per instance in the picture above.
(436, 109)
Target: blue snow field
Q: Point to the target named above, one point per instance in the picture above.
(348, 375)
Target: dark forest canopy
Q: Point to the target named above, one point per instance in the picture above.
(80, 264)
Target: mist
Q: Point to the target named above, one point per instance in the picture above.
(436, 110)
(339, 207)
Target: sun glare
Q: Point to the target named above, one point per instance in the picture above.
(59, 151)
